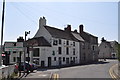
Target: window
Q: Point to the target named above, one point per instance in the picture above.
(93, 47)
(105, 46)
(14, 44)
(54, 58)
(73, 43)
(67, 42)
(14, 59)
(53, 53)
(83, 45)
(67, 50)
(59, 41)
(63, 59)
(74, 59)
(59, 50)
(36, 52)
(14, 51)
(73, 51)
(54, 42)
(84, 56)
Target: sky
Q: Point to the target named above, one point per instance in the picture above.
(99, 18)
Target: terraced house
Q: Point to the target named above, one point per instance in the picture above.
(56, 47)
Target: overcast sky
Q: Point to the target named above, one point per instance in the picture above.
(98, 18)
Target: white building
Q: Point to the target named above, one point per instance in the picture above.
(108, 49)
(54, 46)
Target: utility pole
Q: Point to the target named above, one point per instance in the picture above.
(25, 49)
(3, 13)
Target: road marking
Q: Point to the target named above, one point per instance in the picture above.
(55, 77)
(111, 72)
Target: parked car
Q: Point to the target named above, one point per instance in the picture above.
(28, 66)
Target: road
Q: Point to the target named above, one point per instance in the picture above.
(98, 70)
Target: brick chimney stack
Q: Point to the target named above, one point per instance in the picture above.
(68, 28)
(42, 21)
(81, 27)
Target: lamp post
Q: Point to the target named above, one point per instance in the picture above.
(26, 33)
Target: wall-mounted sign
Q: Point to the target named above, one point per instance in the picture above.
(14, 46)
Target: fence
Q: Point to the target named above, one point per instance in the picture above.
(6, 71)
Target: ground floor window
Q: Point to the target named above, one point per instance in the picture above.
(14, 59)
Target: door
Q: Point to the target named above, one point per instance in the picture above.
(60, 61)
(67, 61)
(42, 64)
(49, 61)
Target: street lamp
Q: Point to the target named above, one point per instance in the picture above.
(26, 33)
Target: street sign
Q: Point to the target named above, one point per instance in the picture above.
(13, 46)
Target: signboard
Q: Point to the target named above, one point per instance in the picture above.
(14, 46)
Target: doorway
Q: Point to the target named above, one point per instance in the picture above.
(49, 61)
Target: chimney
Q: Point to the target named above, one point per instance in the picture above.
(20, 39)
(75, 30)
(81, 28)
(42, 21)
(69, 27)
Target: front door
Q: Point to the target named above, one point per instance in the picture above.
(60, 61)
(42, 64)
(49, 61)
(67, 61)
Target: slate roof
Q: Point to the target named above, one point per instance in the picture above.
(77, 36)
(58, 33)
(108, 43)
(38, 41)
(87, 37)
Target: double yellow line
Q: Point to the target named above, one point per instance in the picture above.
(111, 72)
(55, 76)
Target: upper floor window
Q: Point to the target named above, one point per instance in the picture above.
(93, 47)
(54, 58)
(67, 50)
(59, 41)
(55, 42)
(73, 51)
(67, 42)
(73, 43)
(59, 50)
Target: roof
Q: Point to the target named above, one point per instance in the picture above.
(38, 41)
(108, 43)
(77, 36)
(87, 37)
(58, 33)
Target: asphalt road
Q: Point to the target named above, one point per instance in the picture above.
(98, 70)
